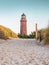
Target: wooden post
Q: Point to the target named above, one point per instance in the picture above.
(36, 31)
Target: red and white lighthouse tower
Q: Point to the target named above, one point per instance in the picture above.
(23, 25)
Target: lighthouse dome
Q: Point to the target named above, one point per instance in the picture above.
(23, 16)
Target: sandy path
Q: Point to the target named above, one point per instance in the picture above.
(23, 52)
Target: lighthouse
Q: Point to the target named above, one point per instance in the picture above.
(23, 25)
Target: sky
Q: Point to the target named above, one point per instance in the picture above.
(36, 11)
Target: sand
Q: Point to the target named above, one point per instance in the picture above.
(23, 52)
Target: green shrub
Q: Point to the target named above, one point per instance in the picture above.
(46, 40)
(2, 35)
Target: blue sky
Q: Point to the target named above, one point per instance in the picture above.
(37, 11)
